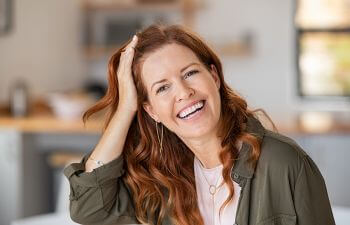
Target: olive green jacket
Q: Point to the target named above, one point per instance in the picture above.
(286, 188)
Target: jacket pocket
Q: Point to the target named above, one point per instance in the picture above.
(280, 219)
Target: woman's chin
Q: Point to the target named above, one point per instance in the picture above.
(197, 132)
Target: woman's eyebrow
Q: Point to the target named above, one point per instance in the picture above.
(191, 64)
(162, 80)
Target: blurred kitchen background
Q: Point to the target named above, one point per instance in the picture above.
(291, 58)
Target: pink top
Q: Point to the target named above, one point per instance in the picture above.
(208, 204)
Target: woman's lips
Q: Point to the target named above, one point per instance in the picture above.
(188, 106)
(195, 114)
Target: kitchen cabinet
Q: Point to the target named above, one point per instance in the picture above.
(25, 179)
(10, 173)
(28, 186)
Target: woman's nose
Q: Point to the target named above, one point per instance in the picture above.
(184, 92)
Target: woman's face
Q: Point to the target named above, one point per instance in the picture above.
(183, 94)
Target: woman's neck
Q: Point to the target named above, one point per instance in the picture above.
(207, 150)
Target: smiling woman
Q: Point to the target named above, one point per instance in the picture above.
(181, 147)
(187, 101)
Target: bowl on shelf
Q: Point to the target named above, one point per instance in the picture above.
(69, 106)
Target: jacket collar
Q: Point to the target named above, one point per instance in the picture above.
(242, 169)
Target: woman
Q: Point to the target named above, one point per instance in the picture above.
(181, 147)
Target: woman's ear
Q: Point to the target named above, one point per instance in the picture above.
(149, 109)
(215, 75)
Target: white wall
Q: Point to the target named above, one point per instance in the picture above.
(43, 47)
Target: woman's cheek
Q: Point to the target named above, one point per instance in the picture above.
(164, 104)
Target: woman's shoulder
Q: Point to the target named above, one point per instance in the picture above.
(281, 153)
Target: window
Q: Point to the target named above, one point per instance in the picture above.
(323, 48)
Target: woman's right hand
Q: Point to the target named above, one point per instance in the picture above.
(127, 88)
(112, 141)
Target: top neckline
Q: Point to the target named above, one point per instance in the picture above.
(197, 161)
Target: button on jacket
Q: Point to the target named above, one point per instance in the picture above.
(286, 187)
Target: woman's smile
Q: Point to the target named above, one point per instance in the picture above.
(193, 112)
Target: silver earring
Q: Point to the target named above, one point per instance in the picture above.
(160, 139)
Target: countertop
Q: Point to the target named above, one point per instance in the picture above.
(41, 119)
(48, 123)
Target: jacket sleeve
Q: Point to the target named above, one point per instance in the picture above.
(100, 196)
(311, 199)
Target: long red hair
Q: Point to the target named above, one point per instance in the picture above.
(159, 185)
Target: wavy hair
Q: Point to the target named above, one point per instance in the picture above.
(158, 184)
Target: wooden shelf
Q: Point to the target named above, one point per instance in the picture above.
(132, 6)
(234, 49)
(142, 5)
(98, 52)
(238, 49)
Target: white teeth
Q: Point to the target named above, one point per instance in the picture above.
(190, 109)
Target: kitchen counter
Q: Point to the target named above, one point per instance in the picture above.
(42, 119)
(50, 124)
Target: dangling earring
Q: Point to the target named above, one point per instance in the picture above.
(160, 139)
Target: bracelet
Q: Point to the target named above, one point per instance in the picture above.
(98, 162)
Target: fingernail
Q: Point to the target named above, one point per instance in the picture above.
(134, 37)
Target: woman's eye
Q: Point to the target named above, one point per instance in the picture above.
(162, 88)
(190, 73)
